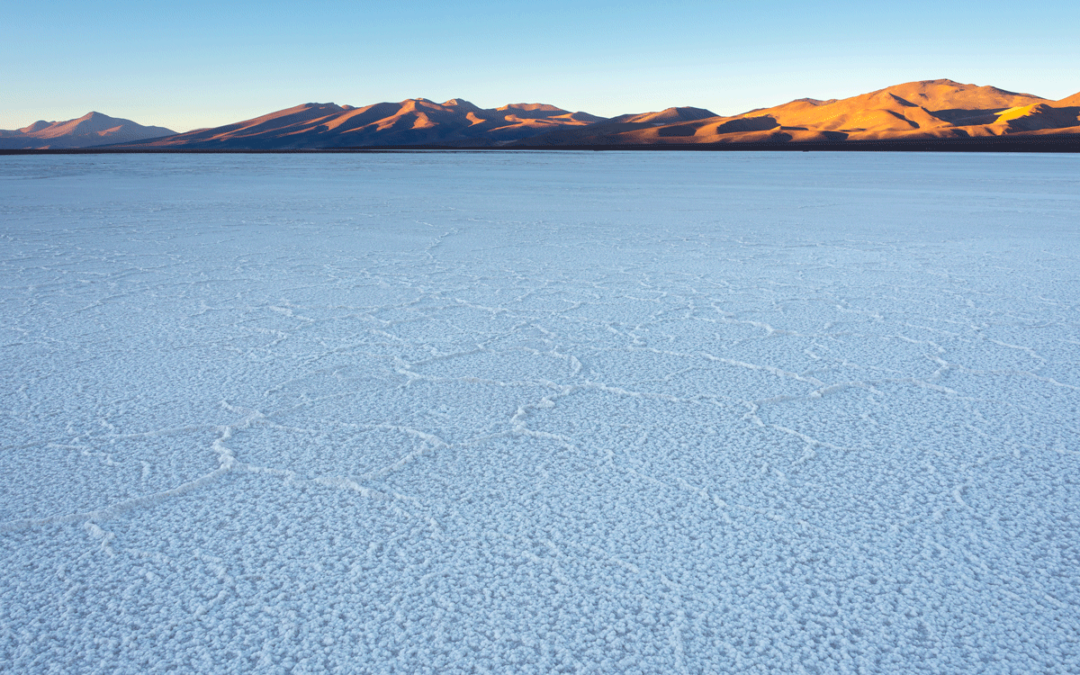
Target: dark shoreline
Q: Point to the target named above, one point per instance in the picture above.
(1068, 143)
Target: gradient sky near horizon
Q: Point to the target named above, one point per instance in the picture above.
(200, 63)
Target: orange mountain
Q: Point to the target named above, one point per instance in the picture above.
(92, 129)
(933, 109)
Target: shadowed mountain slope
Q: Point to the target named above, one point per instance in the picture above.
(92, 129)
(412, 122)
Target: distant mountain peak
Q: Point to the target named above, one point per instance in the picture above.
(944, 81)
(666, 116)
(36, 126)
(92, 129)
(938, 90)
(412, 104)
(531, 107)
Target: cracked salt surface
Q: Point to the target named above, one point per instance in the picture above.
(535, 413)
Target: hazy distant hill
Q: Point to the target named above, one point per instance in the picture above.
(90, 130)
(412, 122)
(1073, 101)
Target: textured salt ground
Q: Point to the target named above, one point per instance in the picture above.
(540, 413)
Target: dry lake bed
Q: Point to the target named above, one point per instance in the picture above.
(540, 412)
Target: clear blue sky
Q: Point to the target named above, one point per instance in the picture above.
(194, 64)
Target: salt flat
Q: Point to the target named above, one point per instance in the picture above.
(540, 412)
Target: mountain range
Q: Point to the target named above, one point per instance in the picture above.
(931, 110)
